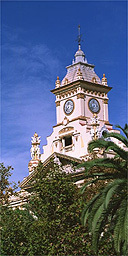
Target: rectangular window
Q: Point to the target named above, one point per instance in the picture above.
(68, 141)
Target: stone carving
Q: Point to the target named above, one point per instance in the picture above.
(94, 80)
(95, 127)
(58, 83)
(66, 81)
(102, 131)
(67, 129)
(79, 74)
(35, 139)
(65, 121)
(104, 80)
(57, 161)
(35, 149)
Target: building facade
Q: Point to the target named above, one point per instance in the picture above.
(81, 109)
(81, 113)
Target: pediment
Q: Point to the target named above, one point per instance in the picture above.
(64, 159)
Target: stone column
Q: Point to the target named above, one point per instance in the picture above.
(80, 98)
(58, 111)
(63, 145)
(105, 101)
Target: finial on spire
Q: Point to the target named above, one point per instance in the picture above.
(58, 83)
(104, 80)
(79, 37)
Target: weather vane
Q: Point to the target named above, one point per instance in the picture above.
(79, 37)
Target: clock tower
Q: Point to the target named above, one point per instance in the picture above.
(81, 109)
(81, 114)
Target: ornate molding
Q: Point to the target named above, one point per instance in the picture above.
(107, 122)
(66, 81)
(65, 121)
(84, 84)
(94, 80)
(67, 129)
(80, 96)
(105, 101)
(58, 83)
(104, 80)
(57, 103)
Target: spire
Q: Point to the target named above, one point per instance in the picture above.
(79, 56)
(79, 38)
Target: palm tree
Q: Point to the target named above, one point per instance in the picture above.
(107, 210)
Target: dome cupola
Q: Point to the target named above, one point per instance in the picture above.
(79, 56)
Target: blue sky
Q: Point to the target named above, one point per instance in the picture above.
(38, 42)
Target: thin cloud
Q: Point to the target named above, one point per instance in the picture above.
(28, 74)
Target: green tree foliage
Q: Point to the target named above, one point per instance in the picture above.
(15, 231)
(50, 223)
(107, 212)
(6, 188)
(56, 206)
(14, 224)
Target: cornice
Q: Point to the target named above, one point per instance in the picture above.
(57, 125)
(84, 84)
(83, 118)
(82, 63)
(107, 123)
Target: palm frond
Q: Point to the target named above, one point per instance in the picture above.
(97, 215)
(108, 208)
(101, 204)
(98, 230)
(116, 136)
(88, 208)
(100, 216)
(112, 188)
(120, 231)
(125, 129)
(86, 215)
(95, 207)
(104, 163)
(82, 190)
(107, 176)
(108, 145)
(101, 176)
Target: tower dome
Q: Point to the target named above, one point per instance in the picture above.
(79, 56)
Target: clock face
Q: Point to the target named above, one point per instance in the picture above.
(68, 107)
(94, 105)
